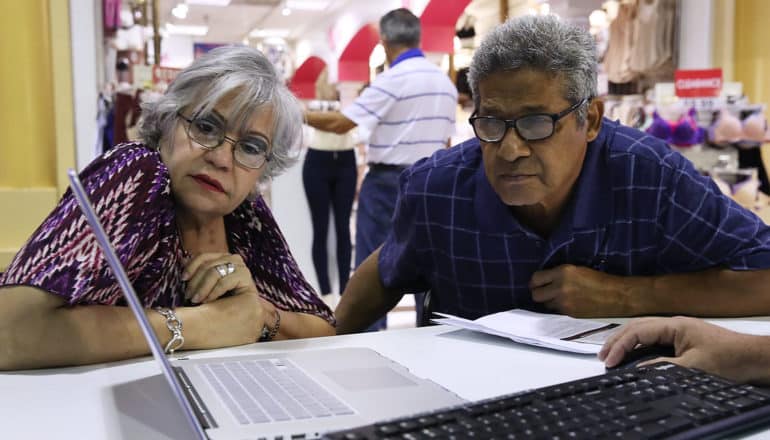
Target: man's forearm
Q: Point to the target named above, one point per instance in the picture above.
(715, 292)
(365, 298)
(334, 122)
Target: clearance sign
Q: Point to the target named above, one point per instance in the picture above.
(702, 83)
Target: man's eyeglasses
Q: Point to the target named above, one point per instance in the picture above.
(532, 127)
(209, 132)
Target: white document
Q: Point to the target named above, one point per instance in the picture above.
(759, 326)
(557, 332)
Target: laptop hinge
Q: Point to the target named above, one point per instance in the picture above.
(201, 412)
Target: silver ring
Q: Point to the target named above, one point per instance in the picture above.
(225, 269)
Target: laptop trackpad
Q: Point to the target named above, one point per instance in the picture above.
(368, 378)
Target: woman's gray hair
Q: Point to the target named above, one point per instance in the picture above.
(246, 77)
(400, 27)
(542, 43)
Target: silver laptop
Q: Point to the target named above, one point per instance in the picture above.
(300, 394)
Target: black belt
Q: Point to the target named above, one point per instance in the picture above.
(386, 167)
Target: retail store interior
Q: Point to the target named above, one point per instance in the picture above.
(317, 44)
(323, 44)
(77, 78)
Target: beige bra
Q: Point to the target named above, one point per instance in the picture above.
(729, 129)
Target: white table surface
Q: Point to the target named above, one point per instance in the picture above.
(83, 402)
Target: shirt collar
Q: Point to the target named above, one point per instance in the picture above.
(589, 207)
(409, 53)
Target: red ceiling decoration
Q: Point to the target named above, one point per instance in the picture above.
(302, 84)
(354, 61)
(439, 20)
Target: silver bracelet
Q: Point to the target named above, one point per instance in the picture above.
(174, 325)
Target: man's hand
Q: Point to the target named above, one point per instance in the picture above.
(698, 344)
(582, 292)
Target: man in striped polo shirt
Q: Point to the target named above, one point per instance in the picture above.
(407, 113)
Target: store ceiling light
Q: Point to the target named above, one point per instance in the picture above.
(377, 57)
(209, 2)
(307, 5)
(178, 29)
(274, 41)
(269, 33)
(180, 11)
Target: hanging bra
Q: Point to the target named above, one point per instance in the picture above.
(754, 127)
(729, 129)
(629, 111)
(682, 133)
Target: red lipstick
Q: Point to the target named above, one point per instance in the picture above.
(208, 182)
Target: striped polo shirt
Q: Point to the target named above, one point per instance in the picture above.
(406, 113)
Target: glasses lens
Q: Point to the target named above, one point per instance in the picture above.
(206, 132)
(251, 152)
(489, 129)
(534, 127)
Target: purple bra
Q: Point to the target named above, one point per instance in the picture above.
(682, 133)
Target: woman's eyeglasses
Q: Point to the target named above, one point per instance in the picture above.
(208, 132)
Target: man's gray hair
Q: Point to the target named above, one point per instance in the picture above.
(400, 27)
(542, 43)
(242, 74)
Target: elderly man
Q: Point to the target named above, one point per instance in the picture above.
(408, 112)
(553, 208)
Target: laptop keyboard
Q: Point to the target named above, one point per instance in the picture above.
(270, 390)
(660, 401)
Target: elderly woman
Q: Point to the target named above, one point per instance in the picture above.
(184, 215)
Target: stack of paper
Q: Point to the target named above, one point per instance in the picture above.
(564, 333)
(557, 332)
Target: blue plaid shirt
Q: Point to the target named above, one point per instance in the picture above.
(638, 208)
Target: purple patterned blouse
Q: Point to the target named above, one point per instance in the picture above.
(129, 187)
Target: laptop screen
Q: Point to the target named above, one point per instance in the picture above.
(133, 301)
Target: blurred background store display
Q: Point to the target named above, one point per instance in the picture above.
(687, 71)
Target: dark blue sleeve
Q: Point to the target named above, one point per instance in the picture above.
(700, 227)
(400, 265)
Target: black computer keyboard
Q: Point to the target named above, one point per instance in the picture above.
(659, 401)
